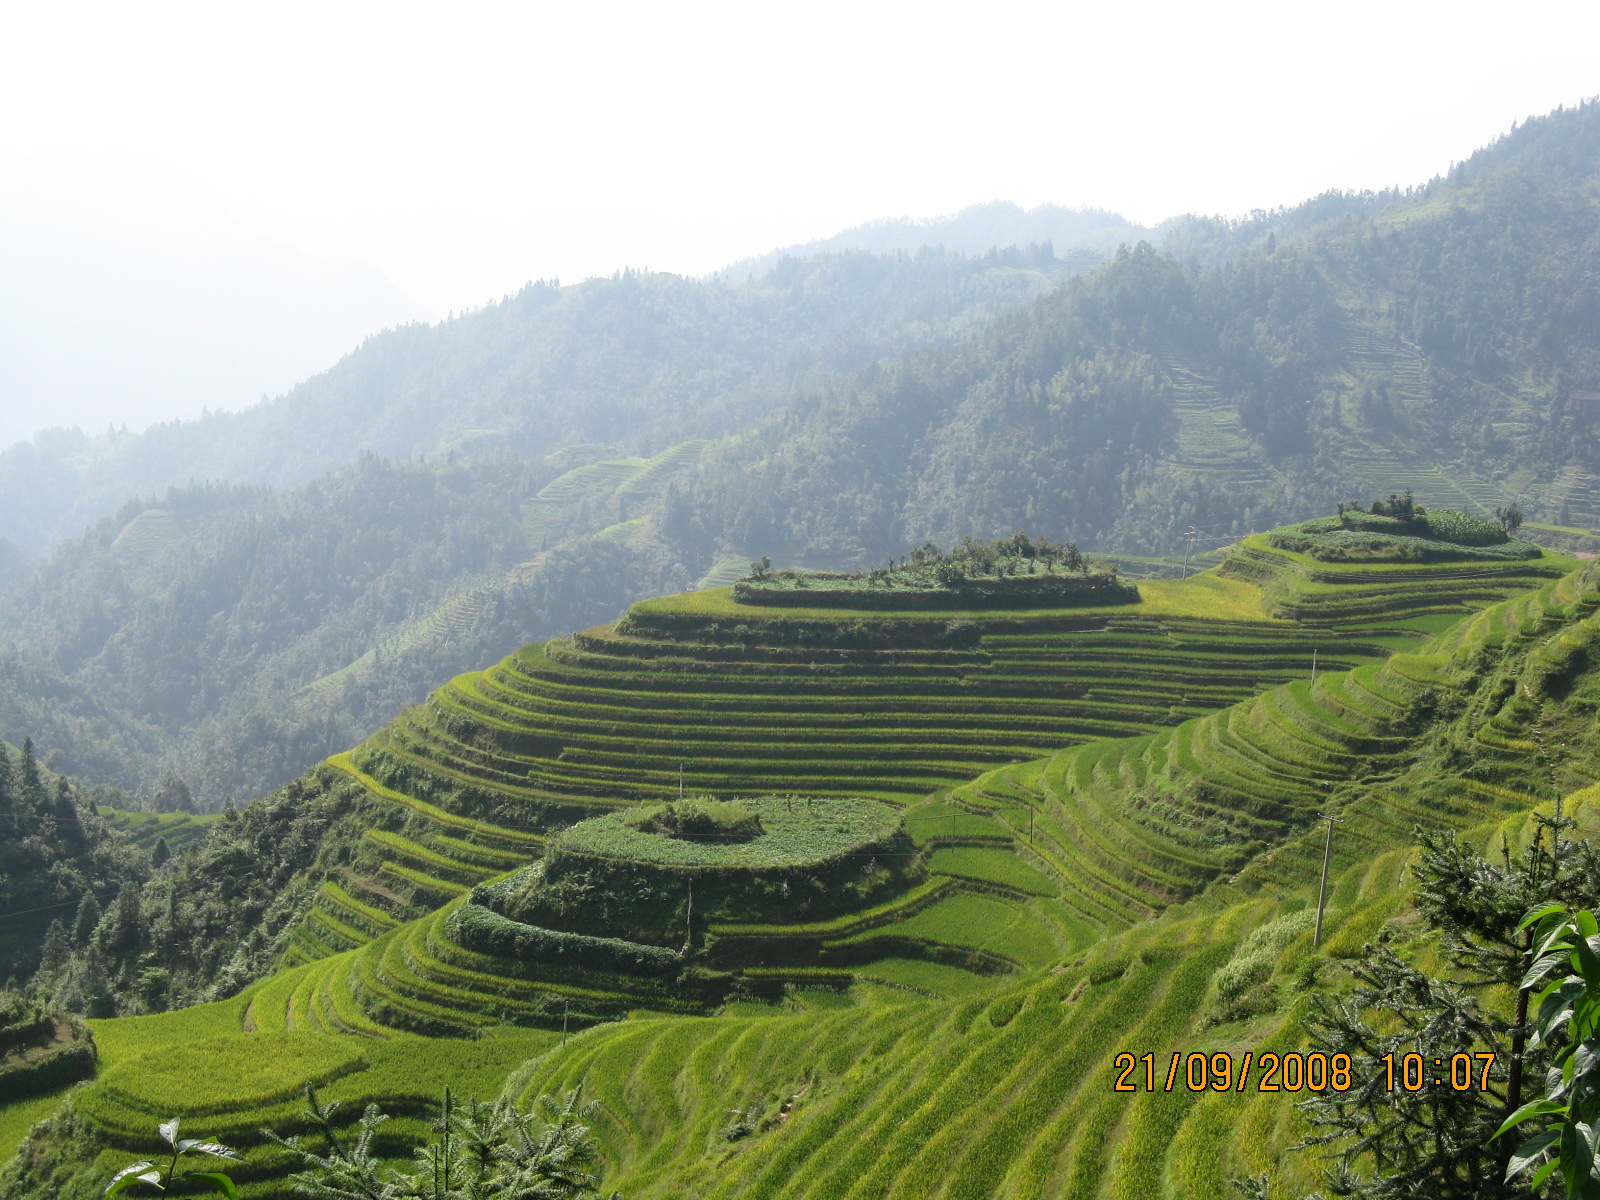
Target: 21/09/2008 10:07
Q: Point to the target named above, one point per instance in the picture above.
(1295, 1072)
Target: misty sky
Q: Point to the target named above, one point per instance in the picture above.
(463, 149)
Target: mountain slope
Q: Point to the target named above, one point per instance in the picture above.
(975, 230)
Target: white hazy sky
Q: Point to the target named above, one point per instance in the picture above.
(465, 148)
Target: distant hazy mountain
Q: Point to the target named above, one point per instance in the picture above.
(975, 230)
(132, 298)
(637, 360)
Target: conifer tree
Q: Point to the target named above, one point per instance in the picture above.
(10, 825)
(56, 951)
(86, 922)
(123, 930)
(1437, 1142)
(28, 790)
(68, 821)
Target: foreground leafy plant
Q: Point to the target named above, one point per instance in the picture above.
(163, 1178)
(1567, 946)
(1441, 1144)
(482, 1152)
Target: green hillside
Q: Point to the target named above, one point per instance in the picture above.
(1240, 375)
(905, 980)
(442, 566)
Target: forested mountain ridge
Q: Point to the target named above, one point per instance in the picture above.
(638, 360)
(974, 230)
(1440, 339)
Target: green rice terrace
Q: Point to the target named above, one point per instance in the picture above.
(836, 901)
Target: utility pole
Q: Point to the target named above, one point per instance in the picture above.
(1322, 892)
(565, 1003)
(1313, 666)
(1189, 536)
(688, 920)
(680, 783)
(1555, 841)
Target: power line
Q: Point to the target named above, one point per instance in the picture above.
(23, 912)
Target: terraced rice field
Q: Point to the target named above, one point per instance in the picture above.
(879, 1093)
(699, 691)
(417, 856)
(1005, 1094)
(179, 829)
(1211, 441)
(620, 481)
(1122, 825)
(1303, 589)
(225, 1077)
(955, 1040)
(151, 531)
(982, 912)
(611, 713)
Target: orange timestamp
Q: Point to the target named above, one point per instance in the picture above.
(1296, 1072)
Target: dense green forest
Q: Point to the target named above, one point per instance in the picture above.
(1440, 337)
(233, 636)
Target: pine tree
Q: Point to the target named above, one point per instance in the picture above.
(69, 831)
(86, 922)
(56, 951)
(1437, 1142)
(28, 790)
(10, 824)
(123, 930)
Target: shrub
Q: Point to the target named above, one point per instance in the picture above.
(479, 928)
(1464, 529)
(699, 820)
(1410, 541)
(1244, 984)
(1433, 525)
(944, 588)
